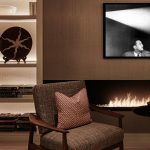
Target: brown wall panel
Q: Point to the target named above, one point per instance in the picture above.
(73, 44)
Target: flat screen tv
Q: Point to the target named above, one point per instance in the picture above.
(126, 30)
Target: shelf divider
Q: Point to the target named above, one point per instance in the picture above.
(21, 64)
(17, 17)
(17, 100)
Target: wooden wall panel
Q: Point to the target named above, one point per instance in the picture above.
(73, 44)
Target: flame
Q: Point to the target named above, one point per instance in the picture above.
(129, 101)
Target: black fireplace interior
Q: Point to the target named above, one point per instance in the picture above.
(101, 91)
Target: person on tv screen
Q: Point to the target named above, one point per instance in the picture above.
(138, 51)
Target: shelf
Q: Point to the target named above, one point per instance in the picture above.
(17, 17)
(24, 99)
(15, 64)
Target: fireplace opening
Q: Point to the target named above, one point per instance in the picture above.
(105, 93)
(118, 94)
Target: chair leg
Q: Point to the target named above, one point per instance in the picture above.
(121, 147)
(65, 145)
(31, 134)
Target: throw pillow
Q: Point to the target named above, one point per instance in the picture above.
(72, 111)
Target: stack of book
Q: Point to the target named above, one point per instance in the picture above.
(8, 91)
(25, 90)
(8, 125)
(23, 123)
(8, 122)
(15, 91)
(14, 122)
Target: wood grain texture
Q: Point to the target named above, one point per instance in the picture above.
(73, 44)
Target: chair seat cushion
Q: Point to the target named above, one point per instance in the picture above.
(93, 136)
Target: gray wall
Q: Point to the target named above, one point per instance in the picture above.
(73, 44)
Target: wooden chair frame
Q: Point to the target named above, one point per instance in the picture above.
(35, 121)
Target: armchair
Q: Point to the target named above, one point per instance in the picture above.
(92, 136)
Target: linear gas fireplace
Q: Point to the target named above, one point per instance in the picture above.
(118, 94)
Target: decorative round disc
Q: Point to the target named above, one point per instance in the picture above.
(15, 44)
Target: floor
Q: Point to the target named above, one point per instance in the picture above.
(19, 140)
(137, 141)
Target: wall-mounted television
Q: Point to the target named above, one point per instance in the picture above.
(126, 30)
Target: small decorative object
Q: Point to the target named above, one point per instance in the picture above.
(126, 30)
(15, 44)
(32, 8)
(7, 10)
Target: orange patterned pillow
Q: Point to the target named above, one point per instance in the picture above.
(72, 111)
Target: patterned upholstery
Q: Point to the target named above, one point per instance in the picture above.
(44, 99)
(73, 111)
(94, 136)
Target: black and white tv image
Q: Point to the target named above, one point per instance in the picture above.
(126, 30)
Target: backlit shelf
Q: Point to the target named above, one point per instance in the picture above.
(20, 64)
(24, 99)
(17, 17)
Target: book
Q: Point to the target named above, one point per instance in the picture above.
(8, 91)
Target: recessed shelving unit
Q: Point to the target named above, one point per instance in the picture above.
(21, 18)
(12, 72)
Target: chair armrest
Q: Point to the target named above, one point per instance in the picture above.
(34, 120)
(37, 121)
(108, 112)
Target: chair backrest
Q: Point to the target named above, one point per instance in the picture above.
(44, 98)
